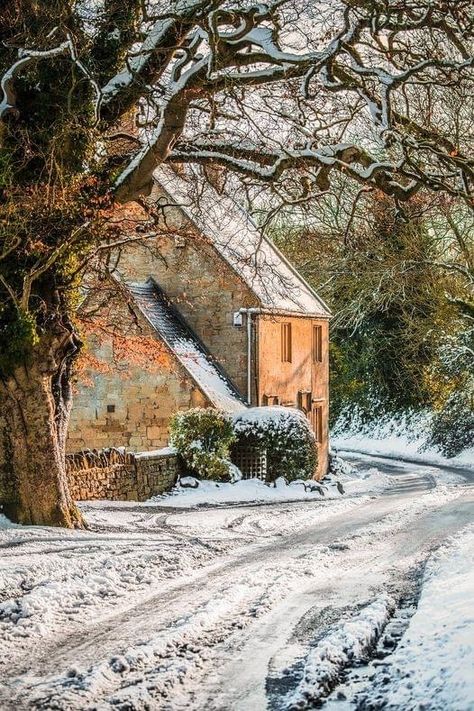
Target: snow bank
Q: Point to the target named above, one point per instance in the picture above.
(346, 644)
(6, 523)
(245, 491)
(256, 491)
(400, 439)
(433, 666)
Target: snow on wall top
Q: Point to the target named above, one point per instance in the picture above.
(155, 306)
(273, 280)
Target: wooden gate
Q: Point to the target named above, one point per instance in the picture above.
(251, 461)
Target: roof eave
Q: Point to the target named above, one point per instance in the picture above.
(296, 314)
(184, 208)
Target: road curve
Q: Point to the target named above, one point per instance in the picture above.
(276, 589)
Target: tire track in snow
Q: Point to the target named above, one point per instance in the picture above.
(107, 640)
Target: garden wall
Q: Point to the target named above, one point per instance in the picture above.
(121, 476)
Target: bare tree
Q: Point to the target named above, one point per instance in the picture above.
(95, 94)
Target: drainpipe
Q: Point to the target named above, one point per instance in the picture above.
(249, 313)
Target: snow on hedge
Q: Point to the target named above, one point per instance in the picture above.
(286, 435)
(276, 416)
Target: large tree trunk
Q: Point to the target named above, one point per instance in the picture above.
(35, 407)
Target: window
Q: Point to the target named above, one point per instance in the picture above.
(286, 342)
(317, 417)
(317, 344)
(303, 401)
(271, 400)
(110, 408)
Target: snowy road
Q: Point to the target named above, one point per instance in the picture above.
(217, 608)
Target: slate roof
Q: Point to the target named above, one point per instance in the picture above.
(188, 349)
(264, 269)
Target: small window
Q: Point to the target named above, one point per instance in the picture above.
(317, 344)
(286, 342)
(110, 408)
(317, 417)
(303, 401)
(271, 400)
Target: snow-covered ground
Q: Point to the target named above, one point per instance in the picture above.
(54, 580)
(433, 667)
(255, 490)
(194, 493)
(346, 644)
(180, 603)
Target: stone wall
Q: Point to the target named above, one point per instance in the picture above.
(121, 476)
(128, 401)
(156, 472)
(204, 289)
(304, 374)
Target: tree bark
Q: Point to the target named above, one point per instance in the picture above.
(36, 407)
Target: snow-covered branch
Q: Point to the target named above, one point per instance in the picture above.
(265, 167)
(145, 65)
(290, 76)
(26, 58)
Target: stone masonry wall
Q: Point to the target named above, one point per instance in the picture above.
(156, 472)
(117, 475)
(202, 286)
(129, 402)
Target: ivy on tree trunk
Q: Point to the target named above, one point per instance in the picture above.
(36, 407)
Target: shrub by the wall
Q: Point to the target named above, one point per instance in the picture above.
(202, 437)
(286, 435)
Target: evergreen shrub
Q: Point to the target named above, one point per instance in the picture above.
(286, 435)
(203, 436)
(452, 428)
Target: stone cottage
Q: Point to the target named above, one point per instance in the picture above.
(231, 321)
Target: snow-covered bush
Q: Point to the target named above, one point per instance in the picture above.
(202, 437)
(452, 428)
(285, 434)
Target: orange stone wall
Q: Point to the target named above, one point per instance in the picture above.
(275, 378)
(203, 287)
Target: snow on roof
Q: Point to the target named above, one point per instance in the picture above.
(277, 285)
(192, 354)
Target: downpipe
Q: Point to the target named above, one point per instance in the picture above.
(249, 313)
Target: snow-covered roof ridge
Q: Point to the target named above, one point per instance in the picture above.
(182, 341)
(232, 232)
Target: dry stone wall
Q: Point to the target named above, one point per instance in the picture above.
(118, 475)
